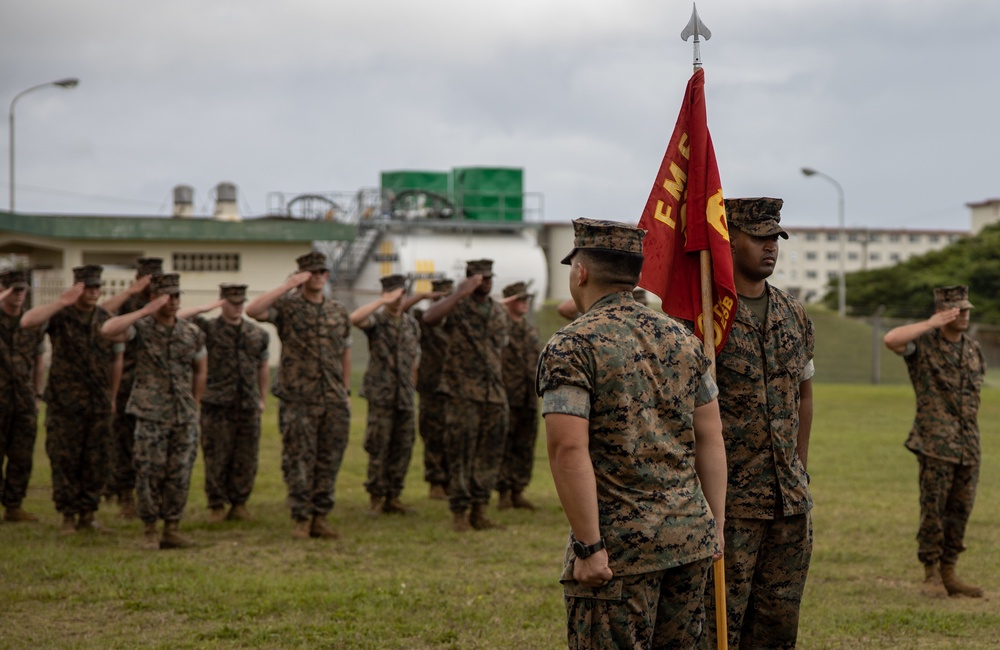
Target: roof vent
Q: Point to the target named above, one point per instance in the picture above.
(183, 201)
(225, 202)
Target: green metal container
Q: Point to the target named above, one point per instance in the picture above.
(428, 181)
(488, 193)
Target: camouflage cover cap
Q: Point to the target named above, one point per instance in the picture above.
(952, 297)
(758, 217)
(442, 284)
(392, 282)
(168, 283)
(148, 266)
(234, 293)
(314, 261)
(519, 289)
(640, 296)
(479, 267)
(14, 278)
(88, 274)
(605, 235)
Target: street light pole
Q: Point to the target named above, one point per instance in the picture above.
(62, 83)
(841, 237)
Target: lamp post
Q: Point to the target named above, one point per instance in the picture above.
(62, 83)
(842, 239)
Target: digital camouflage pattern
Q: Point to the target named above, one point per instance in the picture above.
(313, 340)
(78, 407)
(645, 610)
(520, 365)
(389, 440)
(477, 334)
(947, 379)
(230, 410)
(768, 529)
(230, 440)
(433, 405)
(313, 438)
(20, 349)
(164, 457)
(474, 443)
(759, 404)
(122, 476)
(780, 551)
(393, 357)
(947, 495)
(645, 375)
(162, 390)
(235, 354)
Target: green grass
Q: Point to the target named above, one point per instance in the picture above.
(410, 582)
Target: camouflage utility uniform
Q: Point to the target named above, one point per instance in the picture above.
(78, 408)
(433, 404)
(315, 413)
(477, 400)
(768, 527)
(947, 378)
(20, 350)
(520, 363)
(121, 480)
(162, 402)
(230, 408)
(394, 345)
(637, 376)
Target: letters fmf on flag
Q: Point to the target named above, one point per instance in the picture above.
(685, 215)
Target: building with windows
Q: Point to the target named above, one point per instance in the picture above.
(810, 258)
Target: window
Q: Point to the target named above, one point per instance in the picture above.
(831, 256)
(832, 236)
(831, 275)
(811, 255)
(206, 262)
(914, 239)
(853, 256)
(811, 275)
(874, 238)
(893, 257)
(933, 238)
(874, 257)
(810, 236)
(894, 237)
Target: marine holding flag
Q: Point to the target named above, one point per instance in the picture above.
(685, 215)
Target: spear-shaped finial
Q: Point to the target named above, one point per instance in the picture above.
(696, 28)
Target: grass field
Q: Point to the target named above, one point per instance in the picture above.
(410, 582)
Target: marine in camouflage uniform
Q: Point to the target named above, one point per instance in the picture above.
(238, 380)
(21, 374)
(630, 411)
(121, 479)
(765, 395)
(520, 363)
(170, 373)
(315, 413)
(946, 369)
(83, 377)
(433, 404)
(388, 385)
(478, 329)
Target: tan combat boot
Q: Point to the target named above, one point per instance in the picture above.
(460, 522)
(518, 501)
(479, 520)
(18, 514)
(438, 492)
(955, 586)
(126, 503)
(932, 585)
(375, 506)
(150, 537)
(321, 528)
(504, 502)
(172, 537)
(395, 506)
(301, 529)
(216, 515)
(68, 525)
(239, 512)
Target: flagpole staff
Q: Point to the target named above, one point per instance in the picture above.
(695, 28)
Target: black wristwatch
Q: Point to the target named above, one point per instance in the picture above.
(583, 551)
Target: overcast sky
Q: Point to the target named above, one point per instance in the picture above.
(896, 99)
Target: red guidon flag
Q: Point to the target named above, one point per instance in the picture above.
(685, 215)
